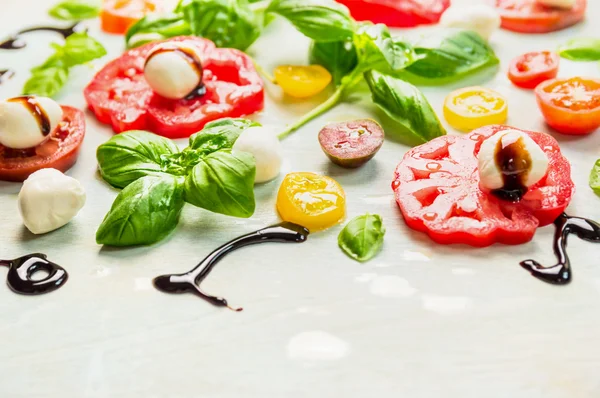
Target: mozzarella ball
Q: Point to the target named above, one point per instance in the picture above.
(491, 175)
(173, 70)
(481, 18)
(28, 121)
(49, 199)
(263, 144)
(568, 4)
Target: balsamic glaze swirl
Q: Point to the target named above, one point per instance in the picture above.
(21, 270)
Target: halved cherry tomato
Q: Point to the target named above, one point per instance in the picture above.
(570, 106)
(311, 200)
(473, 107)
(437, 189)
(120, 96)
(118, 15)
(302, 81)
(397, 13)
(530, 69)
(59, 151)
(528, 16)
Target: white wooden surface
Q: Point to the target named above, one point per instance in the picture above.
(419, 321)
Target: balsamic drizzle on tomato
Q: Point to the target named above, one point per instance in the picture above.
(40, 115)
(21, 271)
(5, 75)
(15, 42)
(514, 162)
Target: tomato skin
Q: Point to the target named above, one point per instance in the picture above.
(437, 189)
(528, 16)
(117, 16)
(397, 13)
(50, 154)
(563, 119)
(530, 69)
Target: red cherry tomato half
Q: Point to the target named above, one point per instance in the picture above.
(397, 13)
(59, 151)
(530, 69)
(120, 96)
(437, 189)
(570, 106)
(528, 16)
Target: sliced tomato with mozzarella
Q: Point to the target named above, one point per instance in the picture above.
(59, 151)
(119, 94)
(437, 187)
(397, 13)
(529, 16)
(530, 69)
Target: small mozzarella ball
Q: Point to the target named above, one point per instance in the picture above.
(481, 18)
(568, 4)
(263, 144)
(489, 172)
(49, 199)
(24, 119)
(173, 70)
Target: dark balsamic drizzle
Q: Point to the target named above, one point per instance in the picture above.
(561, 273)
(6, 75)
(190, 281)
(514, 161)
(32, 105)
(21, 270)
(15, 42)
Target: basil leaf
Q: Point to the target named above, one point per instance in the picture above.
(320, 20)
(156, 27)
(46, 82)
(377, 50)
(338, 57)
(74, 10)
(132, 155)
(405, 104)
(581, 49)
(220, 134)
(79, 48)
(450, 57)
(362, 237)
(223, 182)
(595, 177)
(145, 212)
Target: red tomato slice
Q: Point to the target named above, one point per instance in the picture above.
(120, 96)
(530, 69)
(528, 16)
(437, 189)
(59, 151)
(397, 13)
(570, 106)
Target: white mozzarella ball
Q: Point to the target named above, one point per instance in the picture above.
(568, 4)
(27, 121)
(263, 144)
(481, 18)
(49, 199)
(489, 172)
(173, 70)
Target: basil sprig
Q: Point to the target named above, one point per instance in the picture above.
(584, 49)
(75, 10)
(158, 178)
(362, 237)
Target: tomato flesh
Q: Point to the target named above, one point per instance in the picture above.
(59, 151)
(529, 16)
(531, 69)
(117, 16)
(120, 96)
(437, 189)
(397, 13)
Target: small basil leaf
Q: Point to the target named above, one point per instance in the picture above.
(223, 182)
(405, 104)
(132, 155)
(143, 213)
(338, 57)
(595, 177)
(221, 134)
(362, 237)
(581, 49)
(79, 48)
(72, 10)
(320, 20)
(46, 82)
(155, 27)
(377, 50)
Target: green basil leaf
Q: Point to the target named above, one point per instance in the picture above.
(449, 57)
(362, 237)
(581, 49)
(338, 57)
(595, 177)
(223, 182)
(74, 10)
(320, 20)
(143, 213)
(46, 82)
(79, 48)
(156, 27)
(220, 134)
(132, 155)
(405, 104)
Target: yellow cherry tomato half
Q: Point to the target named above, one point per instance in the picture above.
(311, 200)
(470, 108)
(302, 81)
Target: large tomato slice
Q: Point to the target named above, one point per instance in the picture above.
(397, 13)
(437, 189)
(120, 96)
(528, 16)
(59, 151)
